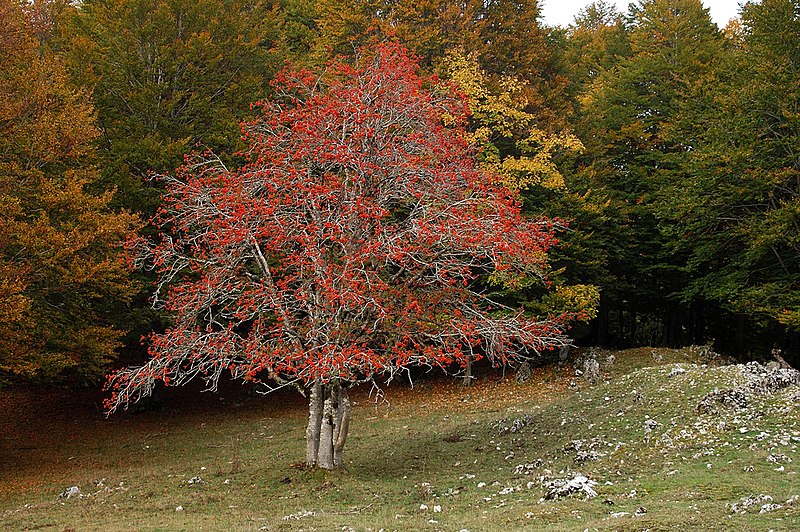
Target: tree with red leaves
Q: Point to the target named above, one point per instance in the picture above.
(346, 249)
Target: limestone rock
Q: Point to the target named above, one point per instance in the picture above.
(564, 487)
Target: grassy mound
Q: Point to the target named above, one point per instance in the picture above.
(670, 439)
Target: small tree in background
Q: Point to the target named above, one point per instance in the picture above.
(346, 249)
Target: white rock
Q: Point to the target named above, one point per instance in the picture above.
(72, 491)
(562, 487)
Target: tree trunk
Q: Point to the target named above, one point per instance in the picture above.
(314, 423)
(328, 425)
(600, 323)
(467, 381)
(325, 456)
(740, 324)
(698, 324)
(342, 427)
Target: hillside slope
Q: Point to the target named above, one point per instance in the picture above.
(668, 440)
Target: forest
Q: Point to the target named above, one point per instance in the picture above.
(660, 151)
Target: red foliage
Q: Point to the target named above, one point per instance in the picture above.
(349, 245)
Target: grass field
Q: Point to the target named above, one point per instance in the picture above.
(439, 457)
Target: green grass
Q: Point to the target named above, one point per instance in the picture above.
(440, 446)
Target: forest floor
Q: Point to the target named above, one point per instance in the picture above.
(669, 440)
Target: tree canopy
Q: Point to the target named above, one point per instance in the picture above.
(60, 269)
(664, 146)
(168, 76)
(347, 248)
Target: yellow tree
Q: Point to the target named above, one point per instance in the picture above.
(60, 269)
(511, 142)
(512, 145)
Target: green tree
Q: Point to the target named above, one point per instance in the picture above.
(429, 28)
(342, 26)
(60, 269)
(742, 207)
(167, 76)
(597, 40)
(632, 152)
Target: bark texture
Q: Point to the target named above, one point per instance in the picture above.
(467, 380)
(314, 422)
(328, 425)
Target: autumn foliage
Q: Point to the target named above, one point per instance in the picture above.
(59, 242)
(348, 247)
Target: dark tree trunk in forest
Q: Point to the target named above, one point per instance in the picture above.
(328, 425)
(600, 324)
(698, 323)
(792, 354)
(739, 341)
(671, 323)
